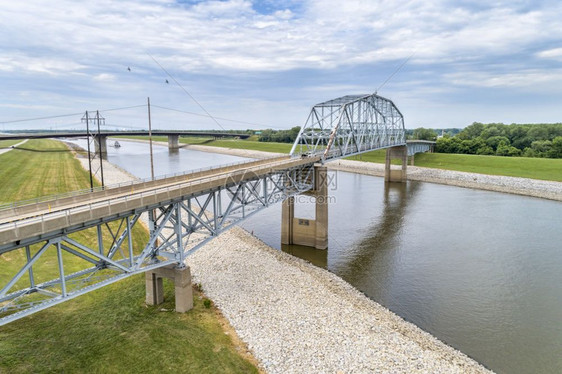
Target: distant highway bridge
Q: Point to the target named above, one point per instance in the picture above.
(173, 136)
(186, 211)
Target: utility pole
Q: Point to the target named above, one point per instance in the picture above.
(99, 147)
(91, 137)
(150, 141)
(88, 141)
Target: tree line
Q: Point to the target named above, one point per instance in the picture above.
(279, 136)
(526, 140)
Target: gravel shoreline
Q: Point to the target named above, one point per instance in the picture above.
(520, 186)
(297, 318)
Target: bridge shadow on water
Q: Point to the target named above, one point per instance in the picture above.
(369, 263)
(373, 254)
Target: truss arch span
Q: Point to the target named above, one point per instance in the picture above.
(350, 125)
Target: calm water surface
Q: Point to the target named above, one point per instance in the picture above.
(480, 270)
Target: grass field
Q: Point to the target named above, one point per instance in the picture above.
(524, 167)
(46, 168)
(110, 330)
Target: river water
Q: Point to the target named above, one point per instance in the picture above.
(480, 270)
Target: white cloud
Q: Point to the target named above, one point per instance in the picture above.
(328, 34)
(81, 43)
(555, 53)
(41, 65)
(105, 77)
(530, 78)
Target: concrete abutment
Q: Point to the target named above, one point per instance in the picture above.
(182, 284)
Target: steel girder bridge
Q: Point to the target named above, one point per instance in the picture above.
(183, 212)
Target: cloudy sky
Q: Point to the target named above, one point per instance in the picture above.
(267, 62)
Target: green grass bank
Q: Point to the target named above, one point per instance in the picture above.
(110, 330)
(523, 167)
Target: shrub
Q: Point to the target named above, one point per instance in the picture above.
(207, 303)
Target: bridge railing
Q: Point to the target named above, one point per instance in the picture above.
(48, 198)
(111, 206)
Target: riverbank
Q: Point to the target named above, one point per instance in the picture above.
(514, 185)
(297, 318)
(520, 186)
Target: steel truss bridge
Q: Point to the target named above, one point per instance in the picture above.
(183, 212)
(351, 125)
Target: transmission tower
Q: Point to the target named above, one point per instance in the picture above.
(95, 167)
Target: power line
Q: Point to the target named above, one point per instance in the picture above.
(204, 115)
(67, 115)
(123, 108)
(40, 118)
(184, 90)
(395, 71)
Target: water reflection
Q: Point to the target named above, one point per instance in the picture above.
(317, 257)
(381, 239)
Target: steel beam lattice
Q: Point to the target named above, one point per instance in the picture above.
(350, 125)
(177, 228)
(420, 146)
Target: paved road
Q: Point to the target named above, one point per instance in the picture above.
(12, 147)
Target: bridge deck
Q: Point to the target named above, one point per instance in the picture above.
(73, 213)
(81, 134)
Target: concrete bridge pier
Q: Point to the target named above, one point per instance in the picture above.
(308, 232)
(100, 140)
(173, 141)
(182, 282)
(396, 175)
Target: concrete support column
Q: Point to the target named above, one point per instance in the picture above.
(103, 141)
(287, 217)
(308, 232)
(154, 288)
(396, 175)
(321, 192)
(182, 283)
(412, 160)
(173, 141)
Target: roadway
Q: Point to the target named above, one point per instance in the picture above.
(73, 213)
